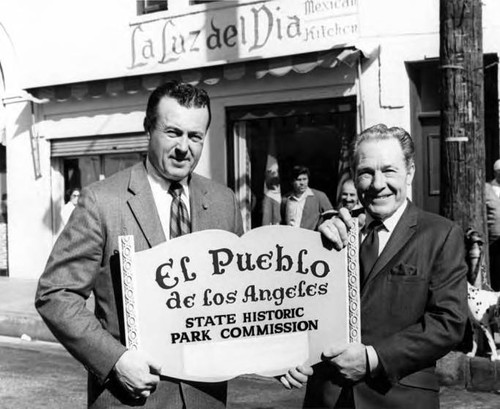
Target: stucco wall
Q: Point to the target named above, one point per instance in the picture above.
(29, 198)
(65, 41)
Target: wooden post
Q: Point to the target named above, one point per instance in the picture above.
(462, 117)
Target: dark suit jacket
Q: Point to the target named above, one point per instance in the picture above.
(313, 207)
(85, 260)
(413, 311)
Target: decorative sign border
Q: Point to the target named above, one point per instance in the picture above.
(130, 292)
(353, 286)
(126, 247)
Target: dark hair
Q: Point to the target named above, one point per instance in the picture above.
(300, 170)
(69, 192)
(382, 132)
(185, 94)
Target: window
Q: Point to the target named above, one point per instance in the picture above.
(151, 6)
(83, 170)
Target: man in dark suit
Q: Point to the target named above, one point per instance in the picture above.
(413, 289)
(154, 201)
(303, 206)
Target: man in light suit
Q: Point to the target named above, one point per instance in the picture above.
(136, 201)
(413, 295)
(303, 206)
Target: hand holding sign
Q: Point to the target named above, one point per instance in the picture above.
(349, 359)
(210, 306)
(137, 373)
(296, 377)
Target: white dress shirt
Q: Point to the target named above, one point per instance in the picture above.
(388, 226)
(163, 199)
(295, 208)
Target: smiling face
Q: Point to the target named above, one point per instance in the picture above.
(382, 177)
(348, 195)
(176, 140)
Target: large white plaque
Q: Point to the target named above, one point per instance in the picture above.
(210, 306)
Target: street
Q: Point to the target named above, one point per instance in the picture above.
(43, 375)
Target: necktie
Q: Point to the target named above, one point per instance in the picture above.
(179, 218)
(368, 252)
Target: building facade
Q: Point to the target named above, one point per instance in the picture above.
(291, 82)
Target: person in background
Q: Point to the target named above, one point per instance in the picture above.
(413, 289)
(72, 196)
(349, 196)
(492, 193)
(155, 200)
(303, 206)
(349, 200)
(271, 203)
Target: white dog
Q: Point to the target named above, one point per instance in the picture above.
(483, 310)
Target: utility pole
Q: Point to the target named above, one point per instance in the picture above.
(462, 117)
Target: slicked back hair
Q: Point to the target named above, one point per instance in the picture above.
(185, 94)
(382, 132)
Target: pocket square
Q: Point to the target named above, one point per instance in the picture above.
(404, 270)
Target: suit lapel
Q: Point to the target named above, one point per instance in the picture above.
(143, 206)
(199, 202)
(402, 233)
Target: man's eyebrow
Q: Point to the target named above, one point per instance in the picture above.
(170, 127)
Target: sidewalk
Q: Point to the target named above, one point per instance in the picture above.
(19, 317)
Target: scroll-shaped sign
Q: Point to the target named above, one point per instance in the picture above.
(210, 306)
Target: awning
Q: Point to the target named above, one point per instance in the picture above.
(276, 67)
(130, 143)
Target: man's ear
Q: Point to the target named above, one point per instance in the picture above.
(410, 173)
(147, 126)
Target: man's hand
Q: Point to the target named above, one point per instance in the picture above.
(349, 359)
(137, 373)
(296, 378)
(336, 228)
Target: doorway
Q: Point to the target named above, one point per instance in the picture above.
(266, 141)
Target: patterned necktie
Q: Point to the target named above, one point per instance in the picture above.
(179, 217)
(368, 252)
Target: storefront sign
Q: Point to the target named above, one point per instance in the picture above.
(238, 32)
(210, 306)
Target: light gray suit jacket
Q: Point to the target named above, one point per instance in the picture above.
(85, 260)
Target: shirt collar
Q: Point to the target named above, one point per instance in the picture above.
(391, 222)
(307, 193)
(158, 179)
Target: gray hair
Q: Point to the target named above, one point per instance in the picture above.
(382, 132)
